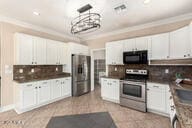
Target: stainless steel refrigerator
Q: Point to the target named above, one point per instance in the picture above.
(81, 67)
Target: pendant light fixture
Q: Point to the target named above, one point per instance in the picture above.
(86, 21)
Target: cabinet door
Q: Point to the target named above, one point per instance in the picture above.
(190, 39)
(160, 46)
(156, 98)
(24, 49)
(52, 52)
(44, 91)
(68, 86)
(141, 43)
(129, 45)
(179, 43)
(29, 95)
(62, 53)
(104, 88)
(39, 51)
(114, 88)
(56, 89)
(114, 53)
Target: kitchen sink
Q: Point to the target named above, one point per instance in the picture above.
(185, 96)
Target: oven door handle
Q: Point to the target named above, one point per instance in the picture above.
(134, 83)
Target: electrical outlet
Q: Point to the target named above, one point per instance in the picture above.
(115, 68)
(56, 69)
(21, 70)
(166, 71)
(32, 70)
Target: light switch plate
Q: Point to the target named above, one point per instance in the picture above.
(32, 70)
(21, 70)
(166, 71)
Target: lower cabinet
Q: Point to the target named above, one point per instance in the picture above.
(157, 98)
(110, 89)
(28, 96)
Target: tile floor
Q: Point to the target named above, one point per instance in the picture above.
(92, 102)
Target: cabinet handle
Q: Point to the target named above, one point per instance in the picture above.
(39, 86)
(57, 80)
(35, 87)
(147, 89)
(32, 62)
(156, 86)
(184, 55)
(167, 56)
(44, 82)
(29, 85)
(189, 54)
(170, 97)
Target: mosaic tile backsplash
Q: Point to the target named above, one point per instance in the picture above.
(28, 71)
(156, 73)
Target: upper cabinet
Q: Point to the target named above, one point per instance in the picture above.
(114, 53)
(141, 43)
(29, 50)
(79, 49)
(136, 44)
(159, 46)
(180, 43)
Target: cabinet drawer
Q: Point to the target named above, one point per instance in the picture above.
(156, 86)
(28, 85)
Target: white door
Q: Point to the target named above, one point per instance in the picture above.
(156, 100)
(129, 45)
(44, 91)
(179, 43)
(114, 53)
(141, 43)
(52, 52)
(68, 86)
(114, 87)
(56, 89)
(104, 88)
(29, 95)
(62, 53)
(24, 49)
(39, 50)
(160, 46)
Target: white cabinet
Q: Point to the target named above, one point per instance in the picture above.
(129, 45)
(23, 49)
(79, 49)
(56, 89)
(114, 53)
(29, 50)
(141, 43)
(110, 89)
(156, 97)
(44, 91)
(39, 51)
(28, 95)
(190, 39)
(52, 52)
(159, 46)
(62, 53)
(66, 87)
(179, 43)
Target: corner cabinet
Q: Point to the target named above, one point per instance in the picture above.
(110, 89)
(114, 53)
(28, 96)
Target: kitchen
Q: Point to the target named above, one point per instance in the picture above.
(59, 69)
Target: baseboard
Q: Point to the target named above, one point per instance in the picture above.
(6, 108)
(111, 100)
(159, 113)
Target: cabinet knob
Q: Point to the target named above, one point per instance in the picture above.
(39, 86)
(184, 55)
(170, 97)
(35, 87)
(147, 89)
(167, 56)
(189, 54)
(156, 86)
(29, 85)
(32, 62)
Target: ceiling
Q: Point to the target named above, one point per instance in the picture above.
(57, 14)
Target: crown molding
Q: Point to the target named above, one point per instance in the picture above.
(37, 28)
(142, 26)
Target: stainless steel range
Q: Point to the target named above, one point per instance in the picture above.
(133, 89)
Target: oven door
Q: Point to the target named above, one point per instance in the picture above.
(133, 90)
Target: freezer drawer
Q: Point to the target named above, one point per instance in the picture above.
(81, 88)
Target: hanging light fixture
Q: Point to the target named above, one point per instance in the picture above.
(85, 22)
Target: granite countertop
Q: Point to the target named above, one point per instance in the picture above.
(40, 78)
(184, 111)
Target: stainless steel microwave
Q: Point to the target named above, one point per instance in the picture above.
(135, 57)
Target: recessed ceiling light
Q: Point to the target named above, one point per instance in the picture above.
(36, 13)
(146, 1)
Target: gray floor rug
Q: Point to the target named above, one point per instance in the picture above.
(91, 120)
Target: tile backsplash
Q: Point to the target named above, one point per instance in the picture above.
(25, 71)
(156, 73)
